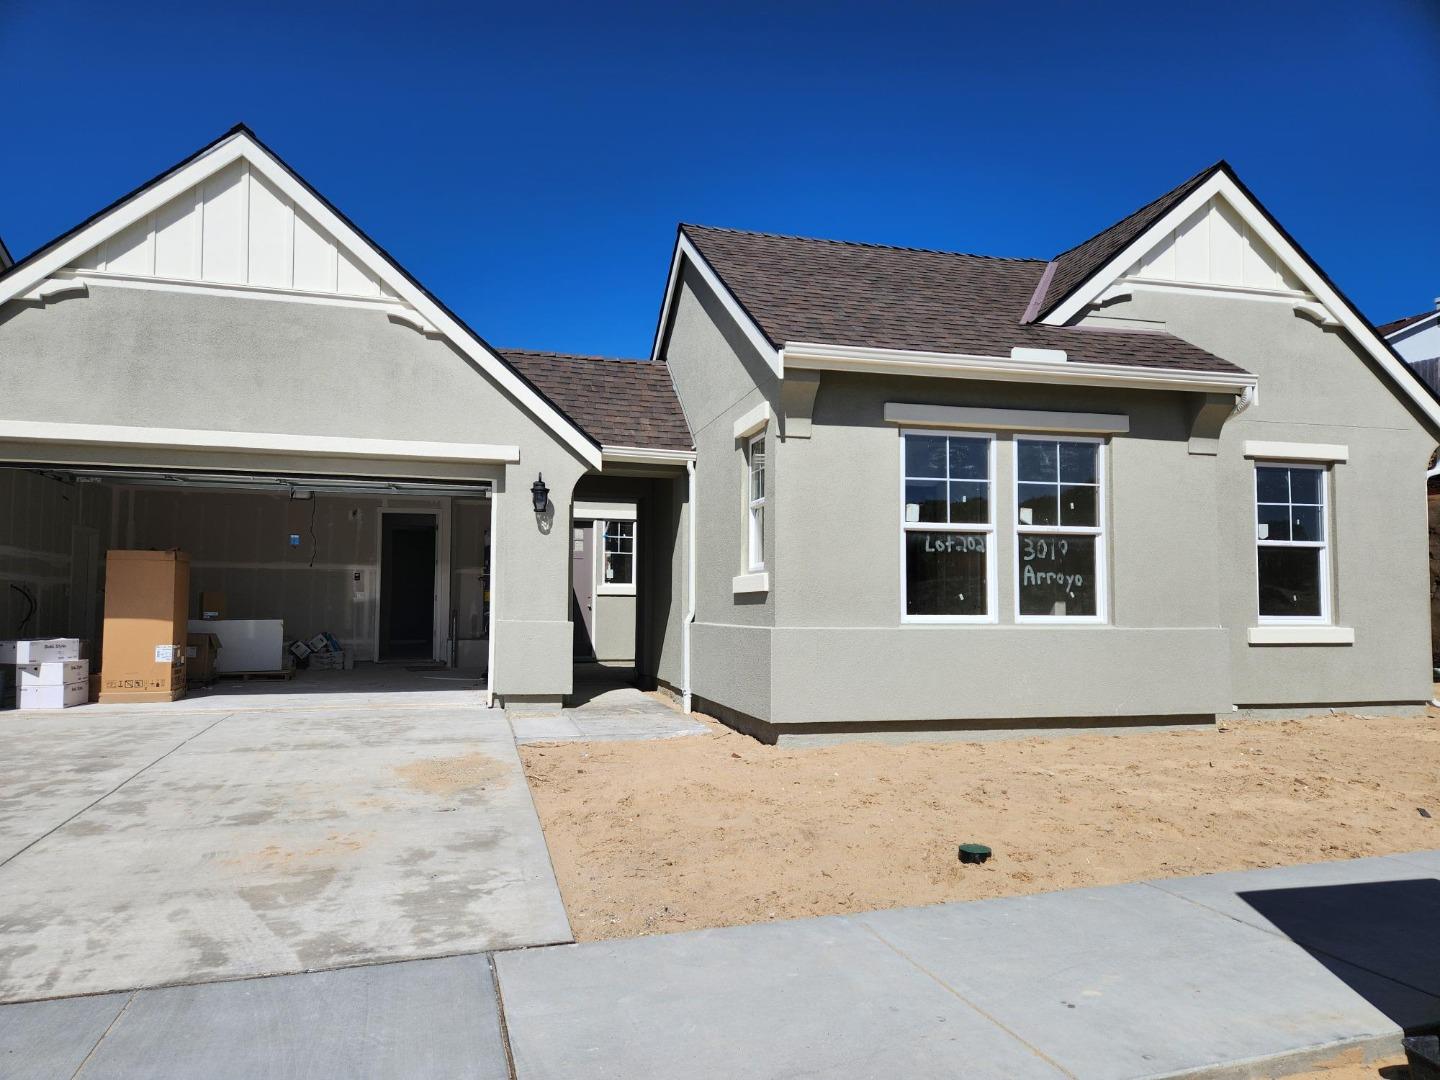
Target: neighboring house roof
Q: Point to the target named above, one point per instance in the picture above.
(1073, 267)
(616, 402)
(872, 296)
(1410, 320)
(6, 259)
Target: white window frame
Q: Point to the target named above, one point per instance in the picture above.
(607, 588)
(1326, 614)
(1100, 530)
(988, 529)
(755, 536)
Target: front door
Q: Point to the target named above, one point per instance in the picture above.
(582, 588)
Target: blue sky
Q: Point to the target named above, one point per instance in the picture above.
(529, 162)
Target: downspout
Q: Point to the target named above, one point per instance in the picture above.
(685, 695)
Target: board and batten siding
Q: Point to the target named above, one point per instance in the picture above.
(1214, 246)
(234, 228)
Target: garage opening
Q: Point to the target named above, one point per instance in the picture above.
(319, 582)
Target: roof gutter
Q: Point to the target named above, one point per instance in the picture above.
(1023, 365)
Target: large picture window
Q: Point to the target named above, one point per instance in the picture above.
(947, 527)
(1290, 536)
(1060, 534)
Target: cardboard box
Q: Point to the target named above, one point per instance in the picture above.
(62, 696)
(319, 643)
(147, 600)
(212, 605)
(200, 654)
(44, 650)
(54, 673)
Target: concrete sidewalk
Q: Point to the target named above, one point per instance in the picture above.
(1232, 975)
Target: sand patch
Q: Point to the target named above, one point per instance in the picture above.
(448, 776)
(719, 830)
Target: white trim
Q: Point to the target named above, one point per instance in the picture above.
(239, 145)
(55, 289)
(1100, 531)
(603, 508)
(639, 455)
(820, 357)
(1293, 451)
(752, 421)
(988, 529)
(750, 583)
(601, 587)
(686, 250)
(490, 608)
(686, 698)
(111, 280)
(950, 416)
(1220, 184)
(263, 442)
(1300, 635)
(1124, 283)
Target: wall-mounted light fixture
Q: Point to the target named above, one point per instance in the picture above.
(539, 494)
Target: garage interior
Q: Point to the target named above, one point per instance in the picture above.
(396, 571)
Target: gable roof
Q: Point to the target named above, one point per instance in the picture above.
(873, 296)
(629, 403)
(1072, 267)
(240, 142)
(1395, 327)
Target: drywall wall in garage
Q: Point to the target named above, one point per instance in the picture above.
(53, 536)
(240, 544)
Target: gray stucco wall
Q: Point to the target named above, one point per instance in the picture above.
(148, 358)
(719, 377)
(1317, 386)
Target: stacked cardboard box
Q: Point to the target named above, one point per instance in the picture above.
(147, 594)
(48, 673)
(324, 653)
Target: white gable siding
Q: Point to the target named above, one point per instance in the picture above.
(234, 228)
(1214, 246)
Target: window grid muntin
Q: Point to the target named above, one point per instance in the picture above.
(755, 465)
(1321, 546)
(1022, 530)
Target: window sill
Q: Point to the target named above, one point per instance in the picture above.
(746, 584)
(615, 590)
(1301, 635)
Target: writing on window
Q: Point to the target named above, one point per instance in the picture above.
(1292, 559)
(619, 553)
(948, 526)
(1059, 532)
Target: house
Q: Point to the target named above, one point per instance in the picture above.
(1166, 474)
(1416, 339)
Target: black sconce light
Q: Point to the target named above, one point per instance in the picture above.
(539, 494)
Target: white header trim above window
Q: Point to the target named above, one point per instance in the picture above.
(609, 511)
(1006, 419)
(1294, 451)
(752, 421)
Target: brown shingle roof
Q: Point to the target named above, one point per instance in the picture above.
(1400, 324)
(1074, 267)
(872, 296)
(616, 402)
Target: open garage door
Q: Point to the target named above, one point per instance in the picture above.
(304, 554)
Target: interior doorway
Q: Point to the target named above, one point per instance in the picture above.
(409, 547)
(582, 588)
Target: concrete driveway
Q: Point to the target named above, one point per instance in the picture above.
(261, 833)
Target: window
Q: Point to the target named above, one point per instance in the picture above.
(755, 498)
(618, 568)
(947, 527)
(1060, 538)
(1290, 537)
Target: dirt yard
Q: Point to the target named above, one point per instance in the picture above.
(1350, 1067)
(654, 837)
